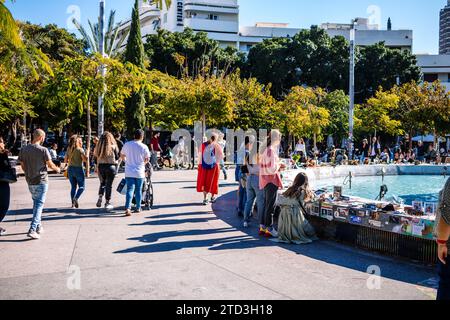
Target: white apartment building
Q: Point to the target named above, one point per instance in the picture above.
(435, 67)
(220, 20)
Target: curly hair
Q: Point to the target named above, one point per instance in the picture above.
(105, 146)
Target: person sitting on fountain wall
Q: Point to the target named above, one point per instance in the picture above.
(292, 224)
(385, 157)
(443, 235)
(431, 154)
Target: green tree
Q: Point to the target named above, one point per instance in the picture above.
(134, 54)
(337, 104)
(305, 114)
(381, 66)
(71, 93)
(202, 98)
(377, 114)
(188, 52)
(8, 27)
(253, 105)
(271, 62)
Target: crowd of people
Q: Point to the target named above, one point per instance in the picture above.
(367, 153)
(281, 215)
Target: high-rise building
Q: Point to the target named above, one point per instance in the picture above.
(444, 30)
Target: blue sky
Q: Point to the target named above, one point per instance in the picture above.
(421, 16)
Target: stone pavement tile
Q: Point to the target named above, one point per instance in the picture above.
(300, 277)
(22, 257)
(191, 279)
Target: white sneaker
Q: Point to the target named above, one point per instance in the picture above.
(33, 235)
(2, 232)
(109, 207)
(274, 233)
(40, 230)
(245, 224)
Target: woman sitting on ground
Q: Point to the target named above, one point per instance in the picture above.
(292, 225)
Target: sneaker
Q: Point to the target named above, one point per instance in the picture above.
(262, 231)
(33, 235)
(75, 204)
(213, 200)
(39, 230)
(267, 234)
(274, 233)
(128, 213)
(109, 206)
(99, 202)
(137, 210)
(245, 224)
(2, 232)
(205, 202)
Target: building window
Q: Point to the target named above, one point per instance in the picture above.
(430, 77)
(212, 17)
(165, 18)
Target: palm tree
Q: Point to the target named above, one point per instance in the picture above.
(112, 41)
(8, 26)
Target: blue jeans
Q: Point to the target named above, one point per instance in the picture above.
(253, 193)
(77, 180)
(38, 194)
(444, 283)
(134, 189)
(242, 197)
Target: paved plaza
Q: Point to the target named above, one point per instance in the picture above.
(181, 250)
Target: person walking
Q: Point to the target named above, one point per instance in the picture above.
(210, 156)
(5, 192)
(443, 240)
(254, 193)
(292, 224)
(34, 159)
(270, 182)
(136, 155)
(75, 157)
(222, 143)
(107, 154)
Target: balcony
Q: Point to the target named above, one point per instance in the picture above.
(212, 25)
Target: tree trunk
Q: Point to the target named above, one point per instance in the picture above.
(315, 141)
(410, 139)
(88, 142)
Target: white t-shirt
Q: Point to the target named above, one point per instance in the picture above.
(300, 147)
(136, 154)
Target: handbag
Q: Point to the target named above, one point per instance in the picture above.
(9, 175)
(122, 187)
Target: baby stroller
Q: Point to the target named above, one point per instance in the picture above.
(147, 189)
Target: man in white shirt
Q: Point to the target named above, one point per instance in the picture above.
(136, 155)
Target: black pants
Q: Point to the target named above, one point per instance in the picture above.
(270, 193)
(4, 199)
(444, 283)
(106, 173)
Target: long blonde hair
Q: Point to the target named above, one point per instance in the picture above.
(105, 146)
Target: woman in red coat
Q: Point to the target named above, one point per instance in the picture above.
(209, 169)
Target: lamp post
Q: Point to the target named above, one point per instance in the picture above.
(351, 110)
(101, 49)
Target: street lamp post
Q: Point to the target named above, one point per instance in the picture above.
(101, 47)
(351, 110)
